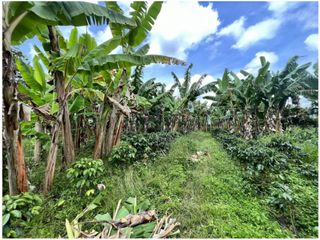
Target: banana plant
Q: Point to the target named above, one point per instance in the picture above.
(285, 84)
(35, 88)
(311, 90)
(39, 95)
(188, 93)
(21, 21)
(134, 48)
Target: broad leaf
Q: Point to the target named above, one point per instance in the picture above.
(138, 34)
(5, 218)
(27, 74)
(73, 38)
(103, 49)
(103, 217)
(118, 61)
(39, 74)
(77, 105)
(123, 212)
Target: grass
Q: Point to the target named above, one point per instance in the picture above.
(210, 198)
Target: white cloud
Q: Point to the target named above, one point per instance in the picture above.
(254, 64)
(125, 6)
(180, 26)
(240, 75)
(304, 15)
(103, 35)
(312, 42)
(280, 7)
(264, 30)
(235, 29)
(94, 2)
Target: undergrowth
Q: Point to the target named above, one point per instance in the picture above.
(210, 198)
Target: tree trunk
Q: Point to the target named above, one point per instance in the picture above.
(176, 124)
(100, 136)
(52, 156)
(68, 147)
(111, 131)
(114, 116)
(269, 125)
(134, 124)
(119, 129)
(247, 126)
(77, 137)
(99, 146)
(15, 160)
(279, 127)
(62, 120)
(38, 144)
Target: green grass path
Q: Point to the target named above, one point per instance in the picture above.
(209, 198)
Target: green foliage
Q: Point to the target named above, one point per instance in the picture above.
(131, 206)
(212, 192)
(283, 168)
(283, 145)
(280, 196)
(85, 174)
(150, 144)
(123, 153)
(56, 13)
(17, 211)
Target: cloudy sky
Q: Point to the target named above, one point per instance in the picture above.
(218, 35)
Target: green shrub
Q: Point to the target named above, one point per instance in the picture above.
(150, 145)
(85, 174)
(283, 167)
(283, 144)
(281, 196)
(17, 211)
(123, 153)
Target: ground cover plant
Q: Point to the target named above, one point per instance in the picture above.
(99, 141)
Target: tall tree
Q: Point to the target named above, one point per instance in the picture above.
(23, 20)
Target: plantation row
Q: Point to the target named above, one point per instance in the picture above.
(280, 170)
(283, 170)
(78, 117)
(79, 89)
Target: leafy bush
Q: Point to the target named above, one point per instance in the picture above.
(85, 174)
(280, 196)
(284, 168)
(150, 145)
(123, 153)
(284, 145)
(22, 207)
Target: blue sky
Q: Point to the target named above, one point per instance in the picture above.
(249, 29)
(218, 35)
